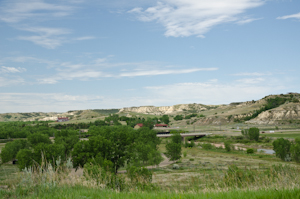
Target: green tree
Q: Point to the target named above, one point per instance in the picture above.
(245, 133)
(174, 147)
(295, 150)
(253, 133)
(68, 138)
(155, 157)
(282, 148)
(178, 117)
(25, 158)
(165, 119)
(9, 152)
(37, 138)
(114, 143)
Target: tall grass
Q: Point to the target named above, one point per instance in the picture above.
(48, 181)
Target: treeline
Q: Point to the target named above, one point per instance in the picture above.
(24, 129)
(38, 147)
(181, 117)
(110, 147)
(114, 120)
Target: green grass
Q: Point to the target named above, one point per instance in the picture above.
(7, 172)
(84, 192)
(284, 135)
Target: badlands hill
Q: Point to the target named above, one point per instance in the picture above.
(272, 109)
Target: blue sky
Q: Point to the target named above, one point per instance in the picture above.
(87, 54)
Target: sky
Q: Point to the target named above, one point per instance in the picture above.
(63, 55)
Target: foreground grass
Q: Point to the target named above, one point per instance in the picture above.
(84, 192)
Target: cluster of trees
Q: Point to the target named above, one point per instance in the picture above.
(149, 122)
(252, 133)
(287, 150)
(181, 117)
(83, 125)
(112, 147)
(38, 147)
(23, 130)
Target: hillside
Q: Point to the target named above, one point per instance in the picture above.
(52, 116)
(272, 109)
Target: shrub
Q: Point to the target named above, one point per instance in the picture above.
(109, 179)
(139, 175)
(249, 151)
(207, 146)
(192, 159)
(175, 166)
(228, 146)
(184, 154)
(190, 145)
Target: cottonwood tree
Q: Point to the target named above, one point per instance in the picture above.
(11, 149)
(282, 148)
(174, 147)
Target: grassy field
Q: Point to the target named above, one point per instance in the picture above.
(84, 192)
(201, 174)
(286, 134)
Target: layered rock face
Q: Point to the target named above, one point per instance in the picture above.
(163, 109)
(273, 116)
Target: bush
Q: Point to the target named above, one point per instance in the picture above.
(207, 146)
(249, 151)
(190, 145)
(97, 173)
(175, 166)
(192, 159)
(139, 175)
(228, 146)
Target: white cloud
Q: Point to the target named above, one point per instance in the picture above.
(5, 69)
(183, 18)
(247, 20)
(251, 80)
(19, 12)
(10, 81)
(47, 102)
(14, 11)
(84, 38)
(252, 74)
(163, 72)
(212, 92)
(48, 37)
(101, 68)
(296, 16)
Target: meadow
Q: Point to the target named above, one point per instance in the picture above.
(199, 173)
